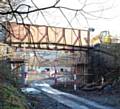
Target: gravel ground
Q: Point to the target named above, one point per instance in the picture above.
(102, 97)
(42, 101)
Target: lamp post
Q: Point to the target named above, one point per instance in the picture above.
(88, 51)
(88, 35)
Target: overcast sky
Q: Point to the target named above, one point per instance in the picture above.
(54, 17)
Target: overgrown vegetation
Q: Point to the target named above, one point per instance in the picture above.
(10, 95)
(106, 63)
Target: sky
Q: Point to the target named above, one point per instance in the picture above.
(54, 17)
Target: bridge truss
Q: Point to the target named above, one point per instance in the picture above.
(46, 37)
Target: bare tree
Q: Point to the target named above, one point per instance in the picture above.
(17, 10)
(52, 13)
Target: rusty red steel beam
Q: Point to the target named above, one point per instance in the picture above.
(45, 35)
(47, 46)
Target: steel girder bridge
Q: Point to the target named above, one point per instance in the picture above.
(46, 37)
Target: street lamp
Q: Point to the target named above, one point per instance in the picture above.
(88, 60)
(88, 35)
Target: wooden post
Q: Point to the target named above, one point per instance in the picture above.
(55, 76)
(75, 85)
